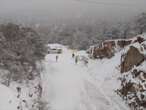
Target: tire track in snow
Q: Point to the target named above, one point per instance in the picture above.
(69, 87)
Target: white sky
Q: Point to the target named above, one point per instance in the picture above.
(73, 8)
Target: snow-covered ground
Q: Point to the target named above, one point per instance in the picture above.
(70, 86)
(8, 99)
(25, 99)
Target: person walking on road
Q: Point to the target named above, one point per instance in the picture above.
(57, 58)
(86, 62)
(76, 59)
(73, 55)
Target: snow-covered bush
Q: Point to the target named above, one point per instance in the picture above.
(20, 48)
(133, 89)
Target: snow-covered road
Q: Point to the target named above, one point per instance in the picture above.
(69, 86)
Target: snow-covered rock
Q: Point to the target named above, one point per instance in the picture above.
(132, 58)
(133, 80)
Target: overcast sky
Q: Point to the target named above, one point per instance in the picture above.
(72, 9)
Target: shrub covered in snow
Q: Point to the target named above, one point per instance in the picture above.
(133, 88)
(20, 48)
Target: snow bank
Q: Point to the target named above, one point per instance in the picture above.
(8, 99)
(28, 95)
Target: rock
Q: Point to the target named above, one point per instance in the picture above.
(104, 52)
(131, 59)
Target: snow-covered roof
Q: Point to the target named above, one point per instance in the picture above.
(55, 45)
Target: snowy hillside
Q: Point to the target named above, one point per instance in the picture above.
(72, 59)
(76, 83)
(19, 96)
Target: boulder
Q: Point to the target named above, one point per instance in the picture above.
(104, 52)
(132, 58)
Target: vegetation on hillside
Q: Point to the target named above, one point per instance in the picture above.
(20, 48)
